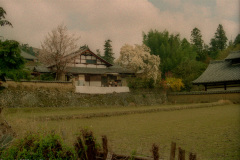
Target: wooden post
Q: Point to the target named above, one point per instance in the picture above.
(105, 147)
(79, 147)
(192, 156)
(155, 150)
(173, 151)
(90, 144)
(181, 154)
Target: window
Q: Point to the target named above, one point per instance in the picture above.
(91, 61)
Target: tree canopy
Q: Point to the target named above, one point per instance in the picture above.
(169, 47)
(237, 40)
(11, 62)
(28, 49)
(3, 21)
(174, 52)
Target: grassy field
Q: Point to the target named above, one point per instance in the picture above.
(212, 132)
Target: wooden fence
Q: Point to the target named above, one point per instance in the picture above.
(86, 150)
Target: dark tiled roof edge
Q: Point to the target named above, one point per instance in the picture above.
(233, 55)
(203, 92)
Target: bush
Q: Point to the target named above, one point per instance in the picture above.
(34, 146)
(175, 84)
(137, 83)
(47, 77)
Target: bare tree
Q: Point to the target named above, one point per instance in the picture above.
(55, 48)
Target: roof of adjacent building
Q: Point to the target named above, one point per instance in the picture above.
(112, 69)
(41, 69)
(233, 55)
(27, 56)
(221, 71)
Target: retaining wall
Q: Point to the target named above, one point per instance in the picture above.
(25, 96)
(60, 85)
(204, 96)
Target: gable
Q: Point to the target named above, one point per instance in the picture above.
(86, 57)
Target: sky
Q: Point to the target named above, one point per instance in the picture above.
(121, 21)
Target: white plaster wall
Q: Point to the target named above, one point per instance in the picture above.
(101, 66)
(100, 90)
(91, 66)
(95, 83)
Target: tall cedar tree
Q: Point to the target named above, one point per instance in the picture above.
(108, 54)
(197, 42)
(219, 42)
(196, 38)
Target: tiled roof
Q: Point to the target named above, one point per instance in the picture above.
(41, 69)
(28, 56)
(113, 69)
(233, 55)
(219, 71)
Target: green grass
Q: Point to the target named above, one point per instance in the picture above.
(212, 133)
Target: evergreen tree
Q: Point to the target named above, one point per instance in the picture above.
(219, 42)
(197, 42)
(237, 40)
(175, 52)
(196, 39)
(108, 54)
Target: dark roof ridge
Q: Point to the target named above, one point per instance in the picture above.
(233, 55)
(238, 51)
(217, 61)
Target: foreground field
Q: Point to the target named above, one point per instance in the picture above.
(212, 132)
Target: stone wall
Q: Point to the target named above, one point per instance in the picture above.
(25, 96)
(204, 97)
(59, 85)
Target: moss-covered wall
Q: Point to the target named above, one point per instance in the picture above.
(204, 97)
(33, 96)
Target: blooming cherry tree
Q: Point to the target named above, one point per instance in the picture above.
(138, 59)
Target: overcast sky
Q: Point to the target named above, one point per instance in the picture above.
(122, 21)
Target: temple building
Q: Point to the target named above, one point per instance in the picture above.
(222, 75)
